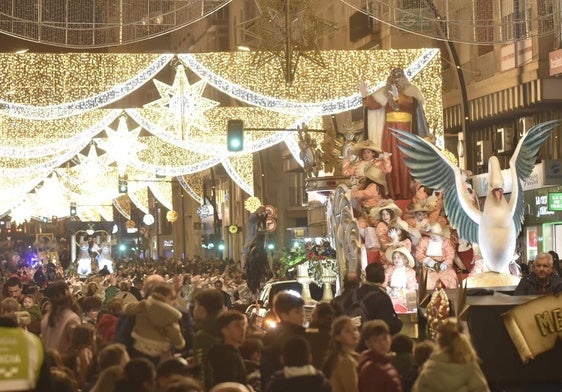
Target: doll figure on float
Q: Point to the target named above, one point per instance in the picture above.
(381, 217)
(436, 253)
(104, 258)
(84, 261)
(400, 276)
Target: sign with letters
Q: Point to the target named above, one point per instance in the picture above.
(535, 326)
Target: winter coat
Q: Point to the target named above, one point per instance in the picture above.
(273, 343)
(57, 337)
(440, 374)
(227, 365)
(529, 285)
(344, 374)
(379, 306)
(305, 378)
(105, 327)
(376, 373)
(156, 326)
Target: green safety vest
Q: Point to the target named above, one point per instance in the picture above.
(21, 357)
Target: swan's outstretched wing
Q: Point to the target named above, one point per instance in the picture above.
(521, 165)
(430, 167)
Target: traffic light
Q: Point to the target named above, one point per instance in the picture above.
(235, 135)
(73, 209)
(123, 186)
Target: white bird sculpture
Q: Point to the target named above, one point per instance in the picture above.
(495, 229)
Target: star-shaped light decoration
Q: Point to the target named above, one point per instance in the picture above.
(22, 212)
(91, 167)
(287, 30)
(122, 145)
(183, 104)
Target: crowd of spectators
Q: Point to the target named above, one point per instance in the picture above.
(173, 326)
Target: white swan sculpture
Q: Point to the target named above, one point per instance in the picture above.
(495, 229)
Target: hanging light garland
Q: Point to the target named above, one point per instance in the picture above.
(37, 92)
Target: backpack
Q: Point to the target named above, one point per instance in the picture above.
(358, 311)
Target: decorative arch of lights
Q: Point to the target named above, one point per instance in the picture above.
(471, 22)
(95, 24)
(61, 139)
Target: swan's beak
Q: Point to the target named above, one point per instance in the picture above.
(498, 193)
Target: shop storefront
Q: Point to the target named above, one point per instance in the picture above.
(542, 228)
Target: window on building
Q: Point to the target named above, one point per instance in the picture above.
(484, 26)
(514, 23)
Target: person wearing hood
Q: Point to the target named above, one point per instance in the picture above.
(157, 330)
(453, 366)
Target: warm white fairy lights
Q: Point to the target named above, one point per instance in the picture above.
(50, 86)
(193, 185)
(241, 171)
(54, 98)
(26, 138)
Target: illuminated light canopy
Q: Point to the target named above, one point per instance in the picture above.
(193, 185)
(325, 91)
(182, 105)
(26, 138)
(89, 81)
(241, 171)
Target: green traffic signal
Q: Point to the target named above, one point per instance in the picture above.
(235, 135)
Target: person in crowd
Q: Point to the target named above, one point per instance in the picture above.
(30, 305)
(91, 306)
(208, 304)
(289, 310)
(124, 293)
(256, 326)
(11, 306)
(251, 351)
(82, 351)
(375, 369)
(318, 332)
(227, 297)
(379, 306)
(298, 373)
(184, 384)
(170, 370)
(14, 288)
(114, 354)
(556, 262)
(340, 362)
(23, 351)
(542, 279)
(107, 322)
(186, 290)
(225, 359)
(62, 318)
(126, 323)
(397, 105)
(139, 375)
(156, 331)
(421, 353)
(107, 379)
(64, 381)
(230, 387)
(403, 361)
(454, 364)
(342, 302)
